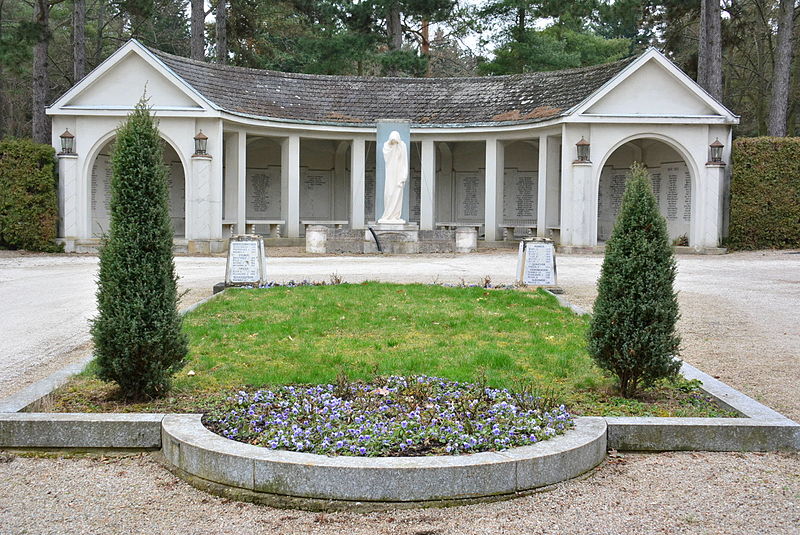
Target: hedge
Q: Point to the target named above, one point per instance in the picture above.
(765, 193)
(28, 198)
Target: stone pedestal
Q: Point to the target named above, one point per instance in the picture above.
(466, 240)
(393, 239)
(316, 239)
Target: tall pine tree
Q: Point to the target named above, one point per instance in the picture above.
(137, 332)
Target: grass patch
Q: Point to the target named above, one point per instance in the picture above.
(249, 339)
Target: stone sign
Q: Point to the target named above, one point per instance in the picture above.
(536, 262)
(247, 262)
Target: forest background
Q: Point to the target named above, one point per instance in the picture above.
(741, 51)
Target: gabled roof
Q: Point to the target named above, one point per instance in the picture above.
(490, 100)
(360, 101)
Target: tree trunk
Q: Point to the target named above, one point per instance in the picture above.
(4, 118)
(781, 73)
(198, 43)
(78, 40)
(394, 27)
(709, 50)
(520, 29)
(222, 32)
(426, 46)
(40, 125)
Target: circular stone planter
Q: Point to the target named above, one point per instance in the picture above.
(311, 481)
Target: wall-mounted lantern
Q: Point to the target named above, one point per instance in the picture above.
(200, 144)
(67, 142)
(583, 150)
(715, 152)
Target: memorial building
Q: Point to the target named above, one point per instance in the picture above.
(541, 154)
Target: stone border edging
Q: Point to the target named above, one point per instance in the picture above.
(198, 452)
(79, 430)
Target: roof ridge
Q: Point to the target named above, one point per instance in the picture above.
(352, 77)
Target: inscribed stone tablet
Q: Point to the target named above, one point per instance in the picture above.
(540, 266)
(244, 262)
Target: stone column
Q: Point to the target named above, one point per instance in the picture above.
(241, 180)
(553, 212)
(495, 166)
(541, 189)
(69, 214)
(231, 178)
(427, 199)
(290, 185)
(581, 199)
(199, 203)
(710, 214)
(357, 180)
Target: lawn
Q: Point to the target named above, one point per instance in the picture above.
(522, 340)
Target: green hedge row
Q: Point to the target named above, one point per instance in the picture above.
(28, 198)
(765, 193)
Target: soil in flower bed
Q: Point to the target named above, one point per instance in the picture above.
(253, 339)
(390, 416)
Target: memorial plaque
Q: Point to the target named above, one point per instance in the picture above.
(263, 193)
(519, 195)
(101, 194)
(469, 196)
(536, 263)
(316, 194)
(369, 194)
(246, 261)
(415, 183)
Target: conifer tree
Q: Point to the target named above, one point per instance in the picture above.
(632, 333)
(137, 332)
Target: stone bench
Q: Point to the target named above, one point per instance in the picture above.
(274, 226)
(336, 223)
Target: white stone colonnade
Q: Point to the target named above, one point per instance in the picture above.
(563, 194)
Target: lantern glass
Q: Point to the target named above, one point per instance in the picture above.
(715, 151)
(200, 143)
(67, 143)
(583, 150)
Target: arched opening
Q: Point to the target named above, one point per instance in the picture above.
(670, 178)
(100, 190)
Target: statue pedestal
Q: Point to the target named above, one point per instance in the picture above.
(394, 238)
(394, 227)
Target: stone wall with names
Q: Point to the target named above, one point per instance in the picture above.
(369, 195)
(177, 197)
(415, 183)
(520, 195)
(263, 188)
(316, 194)
(101, 194)
(672, 187)
(470, 194)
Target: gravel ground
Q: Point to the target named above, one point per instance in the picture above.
(739, 323)
(718, 493)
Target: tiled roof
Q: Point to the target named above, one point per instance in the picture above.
(358, 100)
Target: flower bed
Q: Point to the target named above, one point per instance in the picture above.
(393, 416)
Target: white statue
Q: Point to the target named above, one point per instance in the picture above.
(395, 155)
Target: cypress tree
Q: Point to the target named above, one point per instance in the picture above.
(632, 333)
(137, 333)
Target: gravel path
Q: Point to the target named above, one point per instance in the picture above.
(739, 323)
(718, 493)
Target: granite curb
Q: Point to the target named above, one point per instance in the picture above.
(198, 452)
(78, 430)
